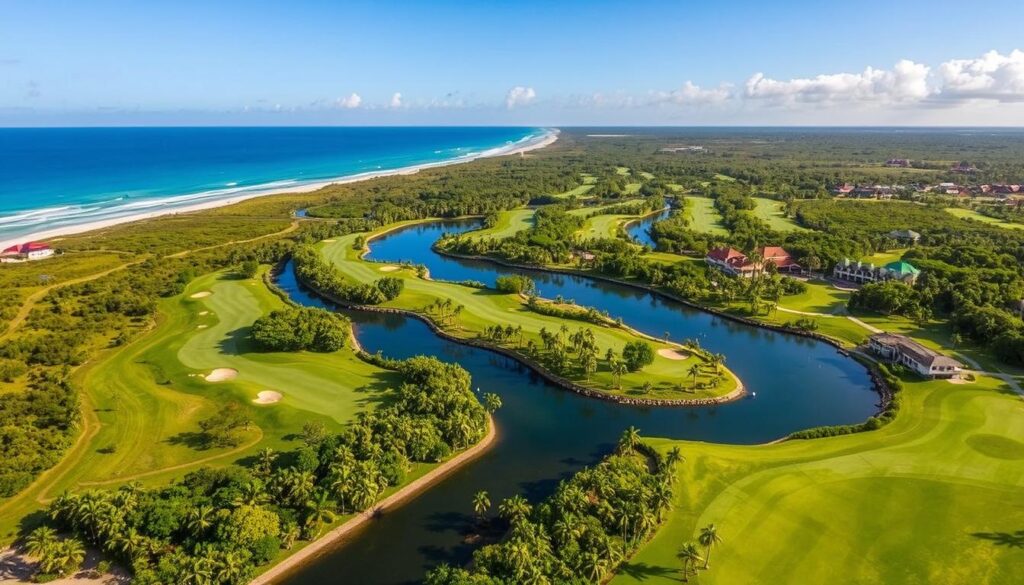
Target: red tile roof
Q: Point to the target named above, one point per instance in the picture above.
(727, 255)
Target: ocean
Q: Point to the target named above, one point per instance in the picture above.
(53, 178)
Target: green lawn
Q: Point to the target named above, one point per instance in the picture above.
(578, 191)
(971, 214)
(704, 217)
(509, 223)
(622, 171)
(486, 307)
(883, 258)
(821, 297)
(935, 497)
(772, 212)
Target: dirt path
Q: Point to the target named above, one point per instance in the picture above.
(394, 500)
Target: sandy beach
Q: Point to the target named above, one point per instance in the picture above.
(547, 139)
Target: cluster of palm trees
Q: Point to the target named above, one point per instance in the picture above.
(690, 554)
(445, 312)
(57, 556)
(592, 522)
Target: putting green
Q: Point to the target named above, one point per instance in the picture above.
(668, 378)
(935, 497)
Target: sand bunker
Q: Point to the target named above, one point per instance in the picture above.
(329, 241)
(202, 326)
(672, 354)
(202, 313)
(388, 268)
(267, 397)
(200, 295)
(222, 375)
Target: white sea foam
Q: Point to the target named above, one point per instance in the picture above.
(53, 221)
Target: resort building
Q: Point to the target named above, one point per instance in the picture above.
(905, 236)
(898, 349)
(730, 261)
(863, 272)
(735, 263)
(26, 252)
(778, 256)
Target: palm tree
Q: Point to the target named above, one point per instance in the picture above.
(708, 538)
(690, 557)
(320, 512)
(230, 567)
(694, 371)
(514, 508)
(629, 440)
(199, 520)
(41, 540)
(265, 463)
(594, 565)
(674, 457)
(481, 503)
(618, 370)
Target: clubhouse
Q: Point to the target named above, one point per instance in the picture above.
(735, 263)
(898, 349)
(863, 272)
(26, 252)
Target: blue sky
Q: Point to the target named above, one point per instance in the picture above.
(527, 62)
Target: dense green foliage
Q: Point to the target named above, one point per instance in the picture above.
(299, 328)
(514, 284)
(637, 354)
(313, 271)
(220, 525)
(580, 534)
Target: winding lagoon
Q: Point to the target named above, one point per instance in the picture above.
(547, 433)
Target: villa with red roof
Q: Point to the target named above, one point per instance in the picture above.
(25, 252)
(733, 262)
(780, 258)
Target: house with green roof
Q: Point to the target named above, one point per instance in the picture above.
(866, 272)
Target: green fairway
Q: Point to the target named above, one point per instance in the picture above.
(623, 171)
(509, 223)
(820, 297)
(883, 258)
(668, 378)
(704, 217)
(577, 192)
(971, 214)
(935, 497)
(772, 212)
(146, 399)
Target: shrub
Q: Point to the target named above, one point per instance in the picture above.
(637, 354)
(515, 284)
(296, 329)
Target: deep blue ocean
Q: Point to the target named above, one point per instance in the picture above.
(56, 177)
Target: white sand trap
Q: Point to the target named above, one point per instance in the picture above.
(200, 295)
(202, 326)
(672, 354)
(267, 397)
(330, 241)
(388, 268)
(203, 313)
(222, 375)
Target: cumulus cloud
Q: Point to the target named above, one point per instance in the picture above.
(351, 102)
(396, 100)
(691, 94)
(992, 76)
(905, 82)
(519, 96)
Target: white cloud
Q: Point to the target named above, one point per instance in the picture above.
(991, 76)
(691, 94)
(906, 82)
(396, 100)
(519, 96)
(351, 102)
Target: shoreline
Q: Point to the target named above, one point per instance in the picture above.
(322, 545)
(549, 137)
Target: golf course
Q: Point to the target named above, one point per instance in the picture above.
(676, 373)
(937, 496)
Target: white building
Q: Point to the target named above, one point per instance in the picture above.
(902, 350)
